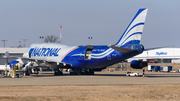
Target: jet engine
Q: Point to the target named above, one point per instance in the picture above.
(13, 63)
(138, 64)
(99, 69)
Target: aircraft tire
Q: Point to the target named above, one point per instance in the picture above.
(91, 72)
(58, 73)
(17, 75)
(78, 72)
(28, 72)
(72, 73)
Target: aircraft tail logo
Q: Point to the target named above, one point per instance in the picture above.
(132, 34)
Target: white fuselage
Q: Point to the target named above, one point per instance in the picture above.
(48, 51)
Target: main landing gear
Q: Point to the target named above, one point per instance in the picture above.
(58, 72)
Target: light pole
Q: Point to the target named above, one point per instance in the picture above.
(41, 37)
(20, 44)
(4, 42)
(90, 39)
(60, 33)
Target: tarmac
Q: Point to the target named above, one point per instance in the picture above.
(100, 78)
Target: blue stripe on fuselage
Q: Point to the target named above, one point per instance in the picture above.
(101, 56)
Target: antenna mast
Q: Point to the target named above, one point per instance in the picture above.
(60, 33)
(24, 41)
(4, 42)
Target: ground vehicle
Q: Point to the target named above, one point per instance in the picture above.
(10, 72)
(152, 61)
(17, 75)
(133, 74)
(154, 68)
(174, 71)
(166, 68)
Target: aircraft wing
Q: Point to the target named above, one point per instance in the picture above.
(48, 62)
(15, 57)
(121, 50)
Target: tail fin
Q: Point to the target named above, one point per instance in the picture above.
(132, 34)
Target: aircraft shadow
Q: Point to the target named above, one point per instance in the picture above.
(162, 75)
(67, 74)
(109, 75)
(175, 75)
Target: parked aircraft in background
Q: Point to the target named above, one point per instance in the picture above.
(89, 58)
(161, 54)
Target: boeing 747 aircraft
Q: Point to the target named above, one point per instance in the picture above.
(89, 58)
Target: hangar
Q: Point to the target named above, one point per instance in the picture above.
(161, 55)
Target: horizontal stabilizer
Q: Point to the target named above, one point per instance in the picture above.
(121, 50)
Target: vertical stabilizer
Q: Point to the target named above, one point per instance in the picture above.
(132, 34)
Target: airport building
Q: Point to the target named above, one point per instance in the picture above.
(12, 52)
(161, 55)
(164, 55)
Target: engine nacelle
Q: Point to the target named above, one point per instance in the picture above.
(138, 64)
(13, 63)
(98, 69)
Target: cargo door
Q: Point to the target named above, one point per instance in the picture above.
(88, 54)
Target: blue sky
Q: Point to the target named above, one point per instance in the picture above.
(104, 20)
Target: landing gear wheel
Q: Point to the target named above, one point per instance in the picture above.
(28, 72)
(72, 73)
(17, 75)
(57, 73)
(88, 72)
(91, 72)
(76, 72)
